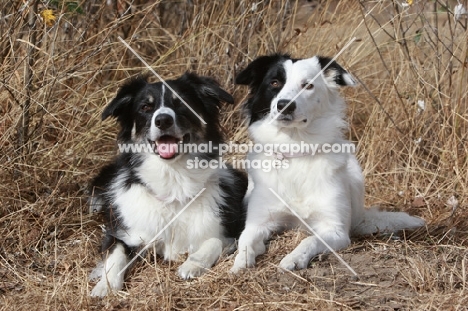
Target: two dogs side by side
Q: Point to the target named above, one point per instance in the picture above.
(290, 101)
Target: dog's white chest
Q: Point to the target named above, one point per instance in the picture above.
(147, 219)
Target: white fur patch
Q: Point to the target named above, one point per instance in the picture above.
(145, 210)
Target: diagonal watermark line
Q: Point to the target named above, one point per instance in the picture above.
(313, 79)
(160, 78)
(315, 233)
(160, 232)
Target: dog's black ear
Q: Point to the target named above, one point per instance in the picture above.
(214, 90)
(124, 96)
(334, 74)
(209, 87)
(257, 69)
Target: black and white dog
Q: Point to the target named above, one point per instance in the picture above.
(296, 101)
(142, 192)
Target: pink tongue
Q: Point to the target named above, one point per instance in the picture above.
(167, 147)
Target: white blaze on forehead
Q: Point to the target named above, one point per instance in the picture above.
(288, 91)
(162, 95)
(163, 109)
(288, 69)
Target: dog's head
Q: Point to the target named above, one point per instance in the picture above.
(291, 92)
(186, 110)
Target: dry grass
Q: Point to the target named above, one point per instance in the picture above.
(61, 76)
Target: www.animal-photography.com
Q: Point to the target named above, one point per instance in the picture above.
(233, 155)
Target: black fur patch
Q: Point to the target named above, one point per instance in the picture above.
(232, 214)
(259, 76)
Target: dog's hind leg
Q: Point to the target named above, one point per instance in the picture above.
(203, 259)
(311, 246)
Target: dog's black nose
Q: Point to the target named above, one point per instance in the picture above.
(163, 121)
(285, 106)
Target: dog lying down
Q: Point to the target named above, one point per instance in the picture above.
(296, 101)
(144, 192)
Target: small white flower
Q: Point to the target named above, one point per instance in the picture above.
(452, 202)
(421, 105)
(417, 141)
(459, 11)
(254, 6)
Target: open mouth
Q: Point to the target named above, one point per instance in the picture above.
(168, 146)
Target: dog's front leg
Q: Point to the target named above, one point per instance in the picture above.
(203, 259)
(251, 244)
(116, 260)
(261, 221)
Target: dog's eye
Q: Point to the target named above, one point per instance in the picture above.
(275, 83)
(307, 86)
(146, 108)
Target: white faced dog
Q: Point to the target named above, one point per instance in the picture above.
(296, 101)
(152, 193)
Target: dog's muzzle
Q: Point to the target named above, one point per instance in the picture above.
(286, 106)
(163, 121)
(285, 109)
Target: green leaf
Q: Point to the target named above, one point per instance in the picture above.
(418, 35)
(74, 7)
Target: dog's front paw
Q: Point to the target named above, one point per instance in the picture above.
(291, 262)
(100, 290)
(191, 269)
(106, 285)
(243, 260)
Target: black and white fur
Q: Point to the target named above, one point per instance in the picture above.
(140, 193)
(326, 190)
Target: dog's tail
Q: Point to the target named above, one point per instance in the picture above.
(373, 220)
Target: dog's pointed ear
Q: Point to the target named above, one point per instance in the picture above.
(114, 108)
(334, 74)
(208, 87)
(124, 96)
(246, 76)
(211, 88)
(256, 70)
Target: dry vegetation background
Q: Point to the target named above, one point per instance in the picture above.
(409, 119)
